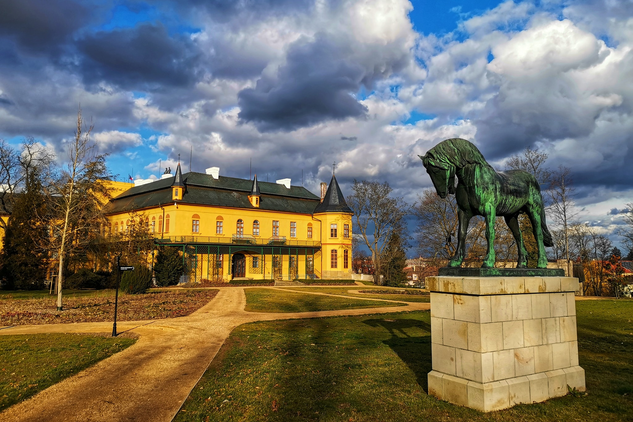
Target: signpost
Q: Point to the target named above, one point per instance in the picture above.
(119, 269)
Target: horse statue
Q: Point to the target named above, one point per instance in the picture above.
(483, 191)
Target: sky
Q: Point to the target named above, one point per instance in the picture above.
(286, 88)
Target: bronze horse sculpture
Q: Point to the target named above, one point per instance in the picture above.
(483, 191)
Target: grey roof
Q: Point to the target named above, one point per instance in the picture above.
(178, 177)
(334, 200)
(203, 189)
(255, 189)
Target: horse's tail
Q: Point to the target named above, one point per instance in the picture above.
(547, 236)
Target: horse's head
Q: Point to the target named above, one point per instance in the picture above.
(442, 175)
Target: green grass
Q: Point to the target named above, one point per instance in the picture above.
(374, 368)
(276, 300)
(39, 294)
(344, 291)
(31, 363)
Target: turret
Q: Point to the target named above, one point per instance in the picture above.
(253, 197)
(177, 187)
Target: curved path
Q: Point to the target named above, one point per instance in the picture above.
(150, 380)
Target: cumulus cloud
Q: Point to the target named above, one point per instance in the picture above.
(116, 141)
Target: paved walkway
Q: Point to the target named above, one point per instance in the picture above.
(150, 380)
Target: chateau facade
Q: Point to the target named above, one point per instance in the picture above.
(230, 228)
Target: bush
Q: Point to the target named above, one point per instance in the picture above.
(137, 281)
(86, 279)
(168, 267)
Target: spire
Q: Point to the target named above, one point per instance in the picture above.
(178, 178)
(334, 200)
(255, 188)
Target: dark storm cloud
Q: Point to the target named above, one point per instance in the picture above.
(225, 10)
(315, 85)
(139, 58)
(41, 26)
(615, 211)
(349, 138)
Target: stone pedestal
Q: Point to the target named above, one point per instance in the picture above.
(501, 341)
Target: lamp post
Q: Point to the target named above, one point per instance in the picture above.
(116, 292)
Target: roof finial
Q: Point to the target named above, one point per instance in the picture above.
(333, 168)
(178, 158)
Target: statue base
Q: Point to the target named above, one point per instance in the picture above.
(501, 341)
(501, 272)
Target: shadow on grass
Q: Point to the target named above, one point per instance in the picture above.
(414, 350)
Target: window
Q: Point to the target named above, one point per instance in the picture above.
(240, 228)
(219, 225)
(167, 223)
(275, 228)
(346, 232)
(218, 261)
(255, 262)
(334, 259)
(310, 265)
(309, 230)
(116, 227)
(293, 229)
(195, 223)
(346, 259)
(153, 226)
(333, 230)
(160, 224)
(256, 228)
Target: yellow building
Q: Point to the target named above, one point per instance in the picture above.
(232, 228)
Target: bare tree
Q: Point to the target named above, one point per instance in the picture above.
(377, 216)
(562, 207)
(77, 196)
(437, 225)
(627, 232)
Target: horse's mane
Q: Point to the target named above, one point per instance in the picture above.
(457, 152)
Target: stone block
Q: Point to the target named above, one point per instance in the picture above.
(552, 284)
(485, 309)
(543, 360)
(442, 305)
(532, 332)
(450, 284)
(573, 353)
(551, 330)
(455, 333)
(524, 361)
(468, 365)
(557, 383)
(534, 284)
(488, 397)
(512, 334)
(492, 286)
(539, 387)
(521, 307)
(491, 337)
(558, 304)
(575, 377)
(487, 367)
(540, 306)
(455, 390)
(431, 283)
(560, 355)
(515, 285)
(518, 390)
(466, 308)
(436, 385)
(474, 336)
(501, 308)
(443, 358)
(571, 304)
(503, 364)
(436, 330)
(568, 329)
(569, 284)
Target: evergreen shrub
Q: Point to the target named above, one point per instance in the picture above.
(168, 267)
(137, 281)
(87, 279)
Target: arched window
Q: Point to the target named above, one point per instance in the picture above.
(195, 223)
(333, 230)
(334, 259)
(153, 227)
(167, 223)
(116, 227)
(219, 225)
(160, 224)
(240, 228)
(256, 228)
(309, 230)
(275, 228)
(346, 231)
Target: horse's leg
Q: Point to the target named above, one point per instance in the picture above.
(490, 215)
(460, 252)
(513, 223)
(535, 218)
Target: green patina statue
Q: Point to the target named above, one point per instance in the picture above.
(482, 191)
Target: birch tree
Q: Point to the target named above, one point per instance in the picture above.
(562, 207)
(77, 196)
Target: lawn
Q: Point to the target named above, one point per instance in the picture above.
(416, 295)
(31, 363)
(277, 300)
(374, 368)
(20, 308)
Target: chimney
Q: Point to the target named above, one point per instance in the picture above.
(323, 190)
(214, 172)
(285, 182)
